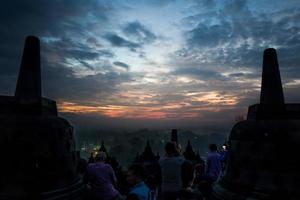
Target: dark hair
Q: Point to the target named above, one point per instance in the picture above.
(101, 156)
(170, 148)
(138, 170)
(132, 196)
(213, 147)
(199, 167)
(186, 194)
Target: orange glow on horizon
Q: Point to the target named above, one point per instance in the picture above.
(213, 98)
(112, 111)
(212, 102)
(142, 106)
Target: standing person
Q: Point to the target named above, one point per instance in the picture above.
(201, 182)
(171, 172)
(213, 163)
(102, 178)
(91, 158)
(224, 155)
(139, 190)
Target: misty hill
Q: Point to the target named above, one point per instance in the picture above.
(125, 144)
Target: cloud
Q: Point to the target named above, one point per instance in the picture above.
(121, 64)
(48, 19)
(198, 73)
(224, 49)
(83, 55)
(41, 18)
(136, 37)
(74, 63)
(119, 41)
(207, 67)
(204, 35)
(75, 54)
(62, 84)
(139, 32)
(237, 36)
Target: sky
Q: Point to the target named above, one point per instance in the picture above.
(155, 62)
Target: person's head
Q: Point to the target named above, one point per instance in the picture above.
(135, 174)
(100, 157)
(171, 149)
(213, 147)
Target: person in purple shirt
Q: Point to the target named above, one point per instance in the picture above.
(102, 179)
(213, 163)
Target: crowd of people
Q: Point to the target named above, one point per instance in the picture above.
(178, 178)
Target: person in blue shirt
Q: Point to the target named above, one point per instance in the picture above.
(139, 190)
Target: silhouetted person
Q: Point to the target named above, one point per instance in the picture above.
(139, 190)
(82, 166)
(91, 158)
(187, 173)
(201, 182)
(213, 166)
(224, 156)
(152, 182)
(171, 163)
(102, 179)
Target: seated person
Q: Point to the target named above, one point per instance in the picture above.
(139, 190)
(102, 178)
